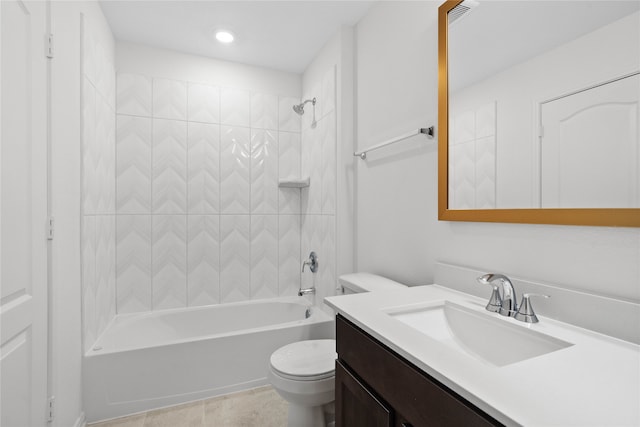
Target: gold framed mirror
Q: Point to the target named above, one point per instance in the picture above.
(542, 213)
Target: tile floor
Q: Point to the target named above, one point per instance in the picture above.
(259, 407)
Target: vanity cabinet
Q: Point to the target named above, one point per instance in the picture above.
(377, 387)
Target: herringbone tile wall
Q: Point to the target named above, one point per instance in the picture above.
(98, 182)
(201, 219)
(181, 201)
(472, 159)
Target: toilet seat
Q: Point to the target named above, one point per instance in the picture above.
(305, 360)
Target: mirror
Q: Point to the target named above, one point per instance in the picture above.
(539, 112)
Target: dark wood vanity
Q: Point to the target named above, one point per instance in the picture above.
(376, 387)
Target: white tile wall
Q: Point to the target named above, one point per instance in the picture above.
(485, 179)
(169, 99)
(200, 217)
(311, 167)
(89, 154)
(169, 186)
(289, 153)
(105, 271)
(203, 103)
(133, 171)
(98, 238)
(235, 174)
(328, 142)
(180, 198)
(310, 94)
(203, 172)
(311, 240)
(465, 127)
(327, 274)
(462, 161)
(329, 91)
(264, 256)
(169, 261)
(318, 204)
(289, 262)
(235, 258)
(100, 157)
(264, 172)
(203, 262)
(288, 120)
(88, 51)
(89, 280)
(472, 161)
(264, 111)
(134, 95)
(235, 107)
(133, 263)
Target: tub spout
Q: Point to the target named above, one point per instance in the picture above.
(306, 291)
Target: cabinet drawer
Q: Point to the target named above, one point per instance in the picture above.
(421, 399)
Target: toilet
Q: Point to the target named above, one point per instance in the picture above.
(303, 372)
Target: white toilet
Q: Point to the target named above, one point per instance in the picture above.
(303, 372)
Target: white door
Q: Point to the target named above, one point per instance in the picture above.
(590, 148)
(23, 207)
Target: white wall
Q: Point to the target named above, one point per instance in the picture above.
(66, 197)
(138, 59)
(398, 234)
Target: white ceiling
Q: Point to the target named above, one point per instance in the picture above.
(281, 35)
(497, 35)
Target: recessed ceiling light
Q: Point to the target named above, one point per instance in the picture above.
(224, 36)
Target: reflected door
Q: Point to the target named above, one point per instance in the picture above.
(23, 207)
(589, 148)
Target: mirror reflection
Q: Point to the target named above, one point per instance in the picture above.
(544, 104)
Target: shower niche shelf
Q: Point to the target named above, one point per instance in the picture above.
(294, 182)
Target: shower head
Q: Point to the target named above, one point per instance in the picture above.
(299, 108)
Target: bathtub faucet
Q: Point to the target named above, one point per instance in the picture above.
(306, 291)
(312, 262)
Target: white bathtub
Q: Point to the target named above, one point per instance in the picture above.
(150, 360)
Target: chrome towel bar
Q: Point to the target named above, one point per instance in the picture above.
(430, 132)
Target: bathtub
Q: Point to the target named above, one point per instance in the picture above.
(151, 360)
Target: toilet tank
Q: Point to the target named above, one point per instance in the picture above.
(355, 283)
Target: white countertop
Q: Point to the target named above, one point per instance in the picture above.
(594, 382)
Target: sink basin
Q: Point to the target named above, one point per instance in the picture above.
(480, 334)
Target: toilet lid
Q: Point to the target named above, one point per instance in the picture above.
(306, 360)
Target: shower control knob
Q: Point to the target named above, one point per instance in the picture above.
(312, 262)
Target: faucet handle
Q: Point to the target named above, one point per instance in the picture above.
(312, 262)
(525, 312)
(495, 301)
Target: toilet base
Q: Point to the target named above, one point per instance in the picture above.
(305, 416)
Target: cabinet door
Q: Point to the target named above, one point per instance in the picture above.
(416, 398)
(355, 405)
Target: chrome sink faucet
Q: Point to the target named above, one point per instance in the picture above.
(505, 303)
